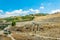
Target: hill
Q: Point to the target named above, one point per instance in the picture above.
(46, 27)
(49, 18)
(29, 17)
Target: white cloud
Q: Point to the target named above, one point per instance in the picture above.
(54, 11)
(42, 7)
(34, 11)
(18, 12)
(1, 11)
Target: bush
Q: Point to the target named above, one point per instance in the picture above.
(13, 23)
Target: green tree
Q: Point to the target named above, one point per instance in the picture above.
(13, 23)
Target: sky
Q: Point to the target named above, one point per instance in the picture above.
(24, 7)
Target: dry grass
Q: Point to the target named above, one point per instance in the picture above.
(21, 36)
(40, 18)
(2, 37)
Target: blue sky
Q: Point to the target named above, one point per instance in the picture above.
(23, 7)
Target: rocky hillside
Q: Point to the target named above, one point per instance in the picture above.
(41, 28)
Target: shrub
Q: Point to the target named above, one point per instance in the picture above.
(13, 23)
